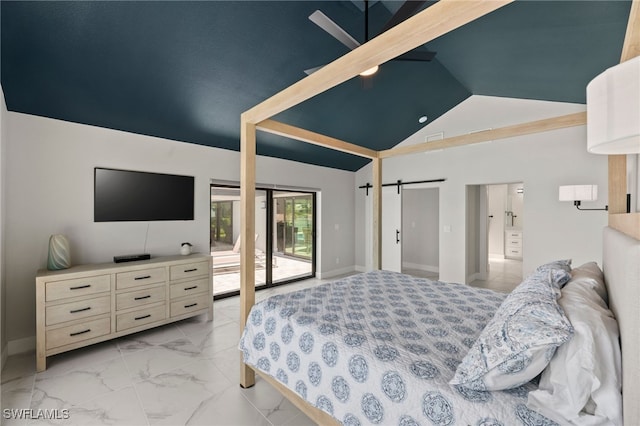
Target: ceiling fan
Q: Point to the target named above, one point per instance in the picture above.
(405, 11)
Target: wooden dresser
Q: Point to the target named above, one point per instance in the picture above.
(87, 304)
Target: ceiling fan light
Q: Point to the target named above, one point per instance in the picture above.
(369, 72)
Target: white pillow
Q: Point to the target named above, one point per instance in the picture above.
(582, 383)
(591, 275)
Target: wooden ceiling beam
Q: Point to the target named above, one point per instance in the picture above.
(440, 18)
(548, 124)
(286, 130)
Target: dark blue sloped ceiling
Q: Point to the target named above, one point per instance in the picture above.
(187, 70)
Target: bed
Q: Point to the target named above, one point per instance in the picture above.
(383, 347)
(621, 239)
(380, 347)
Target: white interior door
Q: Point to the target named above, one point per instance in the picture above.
(391, 229)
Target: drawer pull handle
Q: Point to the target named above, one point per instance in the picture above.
(142, 297)
(79, 332)
(143, 278)
(191, 270)
(75, 311)
(142, 317)
(190, 288)
(191, 305)
(80, 286)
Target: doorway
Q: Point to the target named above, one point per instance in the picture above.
(285, 238)
(410, 230)
(495, 230)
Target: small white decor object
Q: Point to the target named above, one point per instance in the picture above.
(59, 253)
(613, 110)
(185, 249)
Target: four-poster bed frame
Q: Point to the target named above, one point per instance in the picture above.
(438, 19)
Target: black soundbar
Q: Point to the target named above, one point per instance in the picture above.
(131, 257)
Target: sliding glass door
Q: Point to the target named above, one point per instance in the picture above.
(284, 238)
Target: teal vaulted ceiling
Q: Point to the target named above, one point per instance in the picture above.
(186, 70)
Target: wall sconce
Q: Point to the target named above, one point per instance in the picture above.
(578, 193)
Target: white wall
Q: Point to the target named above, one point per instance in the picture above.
(3, 139)
(50, 171)
(541, 161)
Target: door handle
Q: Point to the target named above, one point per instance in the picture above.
(397, 236)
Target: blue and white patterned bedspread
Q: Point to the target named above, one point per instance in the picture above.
(380, 348)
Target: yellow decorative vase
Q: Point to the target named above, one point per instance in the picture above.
(59, 253)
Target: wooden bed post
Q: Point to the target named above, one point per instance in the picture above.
(247, 241)
(377, 213)
(629, 223)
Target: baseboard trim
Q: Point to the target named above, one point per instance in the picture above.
(420, 267)
(473, 277)
(360, 268)
(336, 272)
(19, 346)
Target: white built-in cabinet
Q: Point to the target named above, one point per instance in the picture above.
(513, 244)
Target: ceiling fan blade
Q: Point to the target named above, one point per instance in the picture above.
(312, 70)
(407, 10)
(324, 22)
(416, 55)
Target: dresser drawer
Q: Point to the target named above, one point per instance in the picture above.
(513, 234)
(75, 310)
(76, 333)
(514, 252)
(77, 287)
(514, 243)
(190, 304)
(188, 288)
(131, 279)
(189, 270)
(140, 297)
(140, 317)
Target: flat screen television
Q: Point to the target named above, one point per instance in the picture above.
(125, 195)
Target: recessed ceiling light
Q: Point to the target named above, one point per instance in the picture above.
(422, 119)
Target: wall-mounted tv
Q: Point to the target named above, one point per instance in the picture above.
(125, 195)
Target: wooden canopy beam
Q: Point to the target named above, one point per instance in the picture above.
(555, 123)
(631, 47)
(440, 18)
(282, 129)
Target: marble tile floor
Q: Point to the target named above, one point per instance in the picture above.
(185, 373)
(504, 275)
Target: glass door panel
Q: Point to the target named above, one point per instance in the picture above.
(226, 231)
(284, 238)
(293, 235)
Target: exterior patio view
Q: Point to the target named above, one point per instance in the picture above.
(284, 238)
